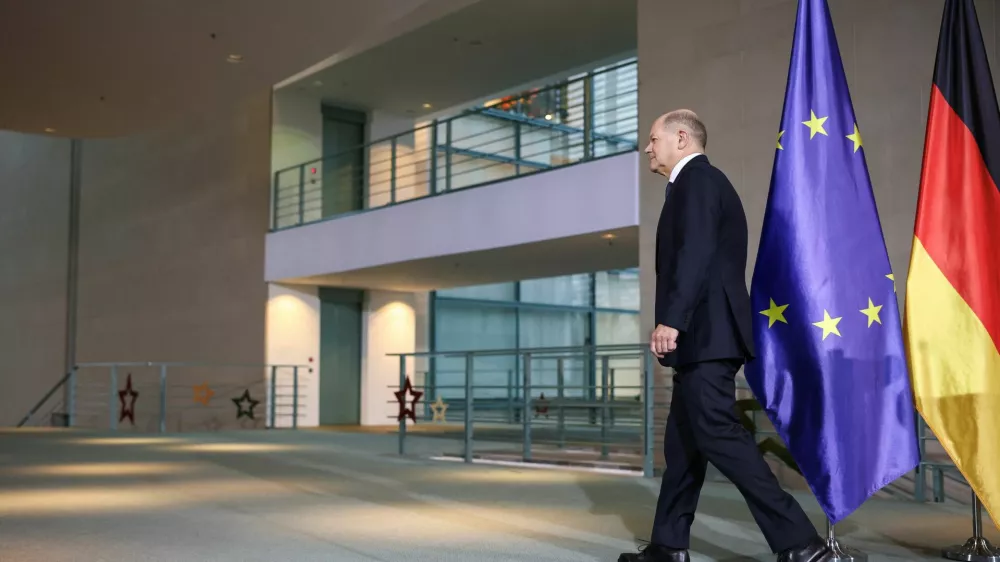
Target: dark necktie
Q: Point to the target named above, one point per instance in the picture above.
(666, 192)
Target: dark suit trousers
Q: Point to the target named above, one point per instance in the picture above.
(703, 427)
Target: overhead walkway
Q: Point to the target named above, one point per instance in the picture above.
(537, 185)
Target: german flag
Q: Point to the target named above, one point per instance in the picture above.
(953, 287)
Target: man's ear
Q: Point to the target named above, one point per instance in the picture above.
(683, 139)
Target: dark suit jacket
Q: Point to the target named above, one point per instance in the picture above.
(701, 259)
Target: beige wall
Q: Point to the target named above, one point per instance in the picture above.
(34, 209)
(172, 228)
(728, 60)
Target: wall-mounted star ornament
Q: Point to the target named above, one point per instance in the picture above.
(127, 409)
(245, 400)
(438, 408)
(401, 394)
(203, 394)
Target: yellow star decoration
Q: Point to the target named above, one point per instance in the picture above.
(815, 124)
(780, 134)
(775, 313)
(856, 137)
(828, 324)
(892, 277)
(439, 408)
(203, 394)
(872, 313)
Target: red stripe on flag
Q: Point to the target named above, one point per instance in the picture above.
(958, 214)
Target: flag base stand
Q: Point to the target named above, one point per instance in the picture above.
(840, 553)
(977, 548)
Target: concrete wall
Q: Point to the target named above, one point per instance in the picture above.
(728, 61)
(171, 264)
(34, 210)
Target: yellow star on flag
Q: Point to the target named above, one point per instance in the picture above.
(856, 137)
(828, 324)
(780, 134)
(815, 124)
(872, 313)
(892, 277)
(775, 313)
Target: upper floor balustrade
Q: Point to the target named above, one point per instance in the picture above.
(583, 118)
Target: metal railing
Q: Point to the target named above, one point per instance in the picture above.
(594, 405)
(571, 122)
(174, 396)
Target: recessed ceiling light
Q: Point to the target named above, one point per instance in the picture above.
(548, 117)
(609, 236)
(235, 59)
(49, 130)
(427, 106)
(318, 83)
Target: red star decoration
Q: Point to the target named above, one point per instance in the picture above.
(127, 410)
(541, 406)
(405, 412)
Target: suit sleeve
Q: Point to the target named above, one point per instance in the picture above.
(696, 234)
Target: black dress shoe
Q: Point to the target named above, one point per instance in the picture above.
(653, 553)
(815, 551)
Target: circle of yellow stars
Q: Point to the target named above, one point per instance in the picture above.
(829, 324)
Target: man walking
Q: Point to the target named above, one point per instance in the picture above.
(703, 331)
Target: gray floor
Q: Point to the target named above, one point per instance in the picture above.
(316, 495)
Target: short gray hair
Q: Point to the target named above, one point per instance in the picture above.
(689, 120)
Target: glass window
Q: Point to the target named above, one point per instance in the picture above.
(493, 292)
(617, 289)
(570, 290)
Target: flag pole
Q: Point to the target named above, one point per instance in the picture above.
(841, 553)
(977, 548)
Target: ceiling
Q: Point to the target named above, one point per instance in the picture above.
(487, 47)
(98, 68)
(549, 258)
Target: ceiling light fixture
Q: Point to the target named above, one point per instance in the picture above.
(609, 236)
(235, 59)
(49, 130)
(548, 117)
(427, 106)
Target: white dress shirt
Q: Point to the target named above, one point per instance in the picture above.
(680, 165)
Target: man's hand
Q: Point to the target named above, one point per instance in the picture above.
(663, 340)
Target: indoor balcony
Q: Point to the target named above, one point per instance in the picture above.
(541, 184)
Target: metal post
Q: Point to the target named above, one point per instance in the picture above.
(469, 398)
(841, 553)
(402, 379)
(611, 390)
(977, 548)
(163, 398)
(526, 409)
(302, 194)
(588, 116)
(392, 173)
(605, 404)
(272, 405)
(447, 156)
(517, 148)
(647, 415)
(295, 397)
(937, 481)
(560, 398)
(432, 188)
(274, 201)
(72, 268)
(920, 480)
(114, 398)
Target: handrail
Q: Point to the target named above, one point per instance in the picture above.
(45, 399)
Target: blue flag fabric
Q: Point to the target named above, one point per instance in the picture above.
(831, 367)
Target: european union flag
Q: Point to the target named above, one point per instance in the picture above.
(831, 366)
